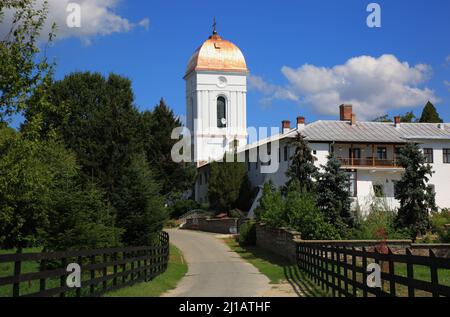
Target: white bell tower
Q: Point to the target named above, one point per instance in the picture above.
(216, 94)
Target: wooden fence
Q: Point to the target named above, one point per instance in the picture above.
(103, 270)
(342, 271)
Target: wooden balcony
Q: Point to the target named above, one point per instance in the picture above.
(368, 162)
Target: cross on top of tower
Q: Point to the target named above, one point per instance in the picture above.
(214, 26)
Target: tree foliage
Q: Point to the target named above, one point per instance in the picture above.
(296, 210)
(157, 127)
(22, 67)
(301, 168)
(140, 207)
(229, 186)
(42, 201)
(333, 195)
(271, 209)
(430, 114)
(416, 196)
(96, 118)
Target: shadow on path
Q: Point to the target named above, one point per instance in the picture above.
(279, 268)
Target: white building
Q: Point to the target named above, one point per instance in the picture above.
(368, 151)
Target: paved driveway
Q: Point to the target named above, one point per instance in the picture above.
(214, 270)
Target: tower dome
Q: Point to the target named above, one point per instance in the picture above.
(217, 54)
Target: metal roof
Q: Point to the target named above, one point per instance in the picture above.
(344, 131)
(374, 132)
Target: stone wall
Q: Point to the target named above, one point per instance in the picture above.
(440, 250)
(279, 241)
(224, 225)
(284, 242)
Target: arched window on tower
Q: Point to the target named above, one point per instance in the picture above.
(221, 112)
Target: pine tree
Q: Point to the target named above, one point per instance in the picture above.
(302, 166)
(140, 207)
(429, 114)
(228, 183)
(333, 194)
(416, 197)
(157, 127)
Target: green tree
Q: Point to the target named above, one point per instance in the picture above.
(304, 216)
(41, 200)
(430, 114)
(333, 194)
(271, 209)
(80, 217)
(140, 207)
(408, 117)
(97, 119)
(383, 118)
(302, 168)
(158, 125)
(228, 183)
(22, 69)
(416, 196)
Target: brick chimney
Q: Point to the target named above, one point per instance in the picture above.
(397, 121)
(300, 122)
(285, 126)
(346, 112)
(353, 120)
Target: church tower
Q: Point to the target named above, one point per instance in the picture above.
(216, 94)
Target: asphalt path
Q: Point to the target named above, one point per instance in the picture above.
(214, 269)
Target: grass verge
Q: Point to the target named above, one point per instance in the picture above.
(176, 269)
(277, 269)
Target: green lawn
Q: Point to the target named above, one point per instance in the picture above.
(176, 269)
(276, 268)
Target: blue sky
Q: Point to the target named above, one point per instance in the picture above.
(277, 39)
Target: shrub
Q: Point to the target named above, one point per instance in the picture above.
(247, 233)
(182, 206)
(236, 213)
(271, 207)
(379, 217)
(304, 216)
(438, 222)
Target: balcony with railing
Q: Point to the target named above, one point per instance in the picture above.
(367, 162)
(367, 155)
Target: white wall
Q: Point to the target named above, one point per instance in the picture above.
(202, 91)
(441, 176)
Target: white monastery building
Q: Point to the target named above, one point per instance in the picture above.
(216, 86)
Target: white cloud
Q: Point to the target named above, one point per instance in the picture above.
(447, 83)
(98, 18)
(270, 91)
(373, 85)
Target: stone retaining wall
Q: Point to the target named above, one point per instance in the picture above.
(284, 242)
(279, 241)
(224, 225)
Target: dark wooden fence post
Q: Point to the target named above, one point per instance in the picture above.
(115, 269)
(92, 275)
(410, 272)
(42, 281)
(364, 266)
(17, 272)
(392, 289)
(434, 273)
(62, 278)
(80, 263)
(354, 288)
(105, 271)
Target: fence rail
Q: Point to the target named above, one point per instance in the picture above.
(343, 271)
(102, 270)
